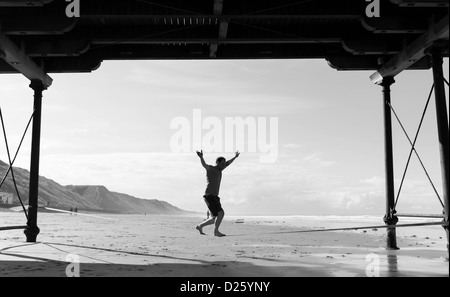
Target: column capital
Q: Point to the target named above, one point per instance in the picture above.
(387, 81)
(437, 48)
(37, 85)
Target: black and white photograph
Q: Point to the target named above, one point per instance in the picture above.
(223, 146)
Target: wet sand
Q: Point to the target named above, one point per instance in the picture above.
(170, 246)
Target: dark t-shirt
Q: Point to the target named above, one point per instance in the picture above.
(213, 178)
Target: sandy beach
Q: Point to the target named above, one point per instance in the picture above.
(169, 246)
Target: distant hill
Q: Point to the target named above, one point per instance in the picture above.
(92, 198)
(123, 203)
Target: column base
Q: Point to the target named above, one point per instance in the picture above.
(391, 235)
(31, 233)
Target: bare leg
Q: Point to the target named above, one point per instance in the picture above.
(220, 216)
(205, 223)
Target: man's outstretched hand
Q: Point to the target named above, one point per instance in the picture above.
(237, 154)
(200, 153)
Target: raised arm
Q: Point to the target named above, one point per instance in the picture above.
(232, 160)
(200, 155)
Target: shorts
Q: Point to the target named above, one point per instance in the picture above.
(213, 203)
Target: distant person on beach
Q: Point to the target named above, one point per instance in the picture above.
(211, 197)
(71, 210)
(76, 210)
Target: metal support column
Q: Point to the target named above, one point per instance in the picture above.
(443, 130)
(390, 218)
(32, 230)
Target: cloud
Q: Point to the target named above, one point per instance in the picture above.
(292, 146)
(301, 186)
(317, 161)
(226, 91)
(286, 187)
(165, 176)
(374, 181)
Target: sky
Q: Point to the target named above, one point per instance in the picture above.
(117, 127)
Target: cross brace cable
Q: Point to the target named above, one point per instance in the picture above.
(413, 149)
(10, 164)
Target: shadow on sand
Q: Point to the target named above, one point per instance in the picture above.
(153, 265)
(28, 264)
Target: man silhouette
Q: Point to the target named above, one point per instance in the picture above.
(211, 197)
